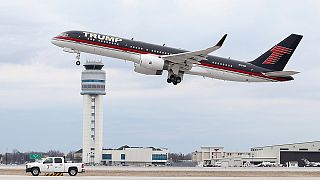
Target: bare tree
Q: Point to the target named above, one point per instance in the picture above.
(70, 156)
(176, 157)
(55, 153)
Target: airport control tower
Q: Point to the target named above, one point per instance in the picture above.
(92, 88)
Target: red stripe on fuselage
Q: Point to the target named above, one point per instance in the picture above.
(242, 71)
(143, 52)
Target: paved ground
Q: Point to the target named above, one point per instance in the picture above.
(15, 177)
(147, 172)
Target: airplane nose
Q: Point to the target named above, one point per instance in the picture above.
(53, 41)
(56, 42)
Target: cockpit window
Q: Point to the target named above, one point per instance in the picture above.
(63, 34)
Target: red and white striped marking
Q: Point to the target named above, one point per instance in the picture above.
(277, 53)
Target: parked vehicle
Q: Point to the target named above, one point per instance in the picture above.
(54, 165)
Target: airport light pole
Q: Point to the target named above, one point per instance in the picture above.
(251, 159)
(216, 152)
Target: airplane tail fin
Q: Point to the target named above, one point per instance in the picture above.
(278, 56)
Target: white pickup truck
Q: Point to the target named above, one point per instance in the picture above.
(54, 165)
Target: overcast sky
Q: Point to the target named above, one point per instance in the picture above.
(41, 105)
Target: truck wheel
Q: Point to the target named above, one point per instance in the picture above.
(35, 171)
(73, 172)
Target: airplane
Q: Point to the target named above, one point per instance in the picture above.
(310, 164)
(151, 59)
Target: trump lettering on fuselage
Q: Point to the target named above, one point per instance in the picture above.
(101, 37)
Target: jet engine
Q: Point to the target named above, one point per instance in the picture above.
(153, 62)
(139, 69)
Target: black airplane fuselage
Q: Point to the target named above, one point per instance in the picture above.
(212, 66)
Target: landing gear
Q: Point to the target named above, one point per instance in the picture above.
(174, 79)
(78, 59)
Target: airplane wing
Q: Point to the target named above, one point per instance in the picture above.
(194, 56)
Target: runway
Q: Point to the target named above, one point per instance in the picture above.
(174, 173)
(15, 177)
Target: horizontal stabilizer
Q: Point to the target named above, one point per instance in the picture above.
(281, 73)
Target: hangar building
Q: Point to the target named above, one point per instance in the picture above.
(288, 154)
(284, 154)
